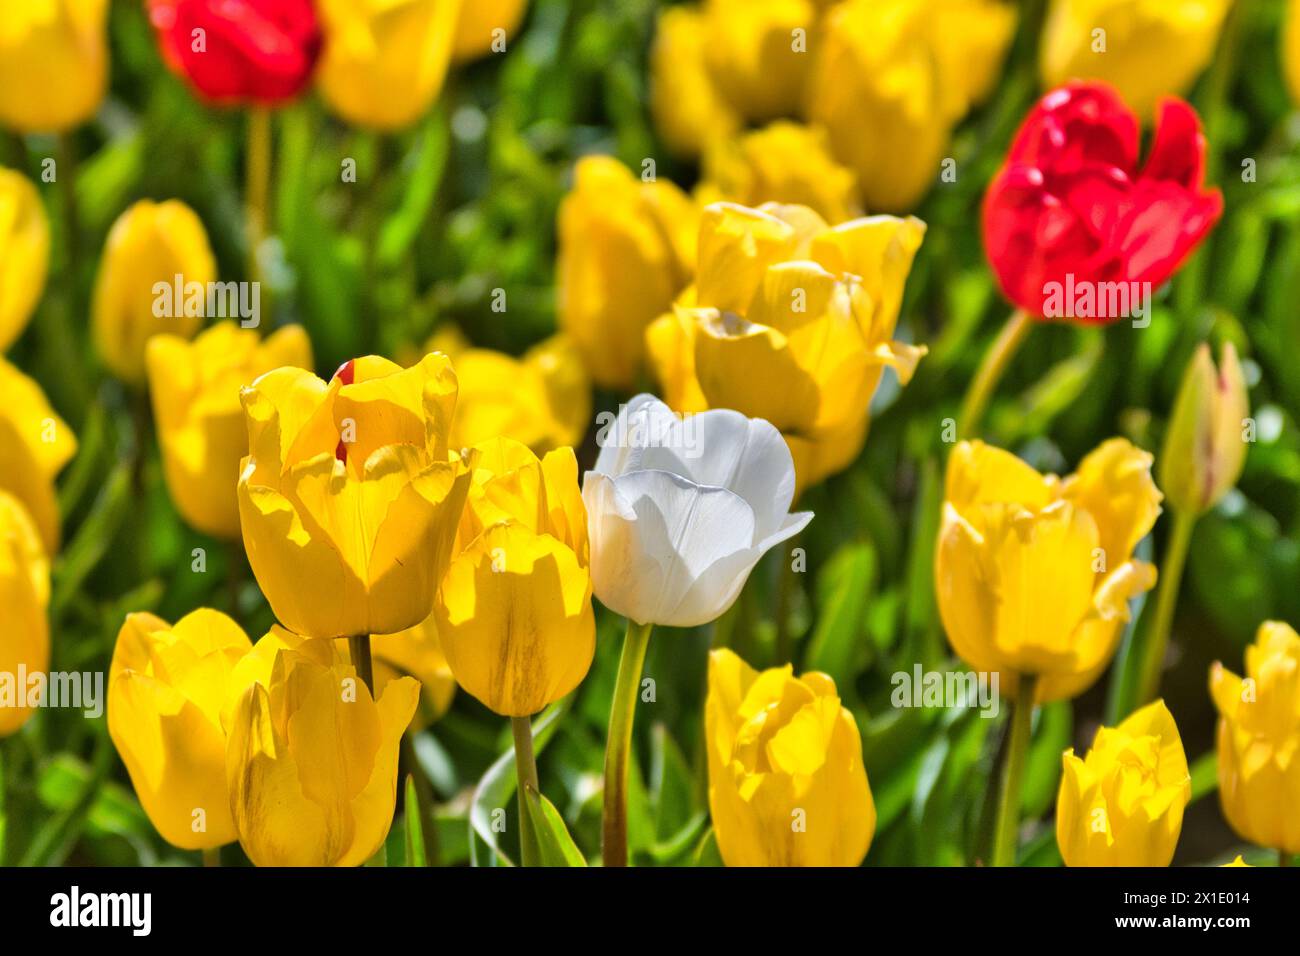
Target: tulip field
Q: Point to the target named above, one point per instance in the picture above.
(575, 433)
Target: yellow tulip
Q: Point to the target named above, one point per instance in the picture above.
(195, 390)
(689, 112)
(786, 782)
(349, 498)
(1144, 48)
(35, 444)
(24, 597)
(24, 253)
(1259, 739)
(416, 652)
(757, 53)
(1237, 862)
(790, 321)
(148, 247)
(311, 763)
(384, 61)
(893, 77)
(1291, 49)
(167, 688)
(514, 611)
(1205, 447)
(542, 399)
(785, 163)
(1034, 573)
(53, 63)
(487, 26)
(625, 250)
(1122, 805)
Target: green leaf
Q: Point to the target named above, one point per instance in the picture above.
(707, 853)
(553, 841)
(1205, 775)
(1052, 734)
(844, 589)
(423, 179)
(415, 855)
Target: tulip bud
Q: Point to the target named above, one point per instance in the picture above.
(1259, 738)
(1144, 50)
(542, 399)
(680, 510)
(486, 26)
(349, 498)
(908, 72)
(1122, 805)
(514, 610)
(791, 321)
(1205, 446)
(195, 390)
(784, 163)
(786, 782)
(1033, 573)
(24, 253)
(626, 248)
(24, 597)
(689, 112)
(311, 762)
(35, 444)
(152, 250)
(53, 63)
(384, 63)
(251, 51)
(167, 687)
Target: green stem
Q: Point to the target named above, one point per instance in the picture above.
(1157, 644)
(990, 372)
(1008, 825)
(257, 173)
(359, 650)
(1283, 858)
(618, 745)
(212, 856)
(784, 585)
(526, 771)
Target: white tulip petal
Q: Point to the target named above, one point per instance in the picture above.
(624, 575)
(638, 422)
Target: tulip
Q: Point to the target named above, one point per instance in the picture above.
(688, 110)
(757, 53)
(1034, 573)
(514, 610)
(35, 444)
(24, 597)
(1291, 49)
(785, 163)
(793, 322)
(786, 782)
(24, 253)
(679, 512)
(486, 26)
(53, 63)
(416, 652)
(349, 498)
(542, 399)
(148, 247)
(1150, 49)
(625, 250)
(907, 72)
(1205, 448)
(167, 687)
(1237, 861)
(1122, 804)
(384, 62)
(1071, 209)
(195, 390)
(239, 51)
(1259, 738)
(311, 763)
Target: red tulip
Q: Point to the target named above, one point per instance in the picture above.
(239, 51)
(1071, 209)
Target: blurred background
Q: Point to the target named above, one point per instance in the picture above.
(465, 203)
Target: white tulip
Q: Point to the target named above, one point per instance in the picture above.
(680, 510)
